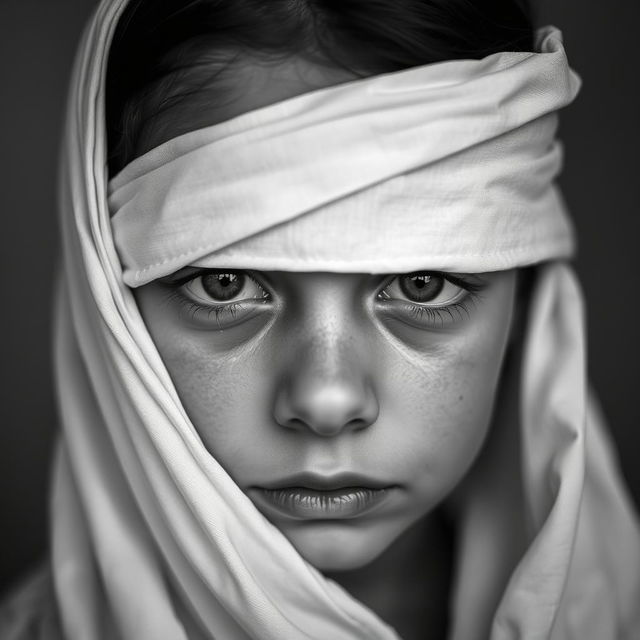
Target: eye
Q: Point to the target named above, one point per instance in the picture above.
(425, 288)
(223, 287)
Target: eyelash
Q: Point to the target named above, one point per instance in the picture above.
(193, 310)
(426, 314)
(440, 314)
(435, 314)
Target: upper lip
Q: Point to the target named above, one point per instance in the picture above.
(320, 482)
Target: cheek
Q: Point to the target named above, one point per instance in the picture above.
(443, 422)
(228, 400)
(438, 400)
(223, 384)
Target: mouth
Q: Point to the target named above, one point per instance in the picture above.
(313, 497)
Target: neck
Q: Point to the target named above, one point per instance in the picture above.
(408, 585)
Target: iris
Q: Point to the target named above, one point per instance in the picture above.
(223, 285)
(421, 287)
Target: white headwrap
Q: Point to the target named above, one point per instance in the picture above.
(448, 166)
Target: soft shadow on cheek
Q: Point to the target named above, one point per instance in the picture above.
(214, 379)
(227, 397)
(219, 375)
(443, 405)
(441, 385)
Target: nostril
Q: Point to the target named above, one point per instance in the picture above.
(293, 423)
(357, 424)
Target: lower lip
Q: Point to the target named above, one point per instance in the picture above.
(300, 503)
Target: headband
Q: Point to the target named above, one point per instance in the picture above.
(447, 166)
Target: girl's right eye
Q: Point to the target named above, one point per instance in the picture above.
(215, 287)
(216, 298)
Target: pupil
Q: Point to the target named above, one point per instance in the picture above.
(223, 286)
(421, 287)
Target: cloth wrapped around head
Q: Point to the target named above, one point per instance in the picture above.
(445, 167)
(448, 166)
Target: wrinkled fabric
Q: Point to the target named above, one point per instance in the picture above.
(421, 163)
(152, 540)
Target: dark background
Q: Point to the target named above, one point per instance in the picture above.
(600, 182)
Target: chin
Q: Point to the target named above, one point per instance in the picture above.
(339, 546)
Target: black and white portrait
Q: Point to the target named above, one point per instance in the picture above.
(320, 320)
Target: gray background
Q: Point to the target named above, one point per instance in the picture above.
(37, 41)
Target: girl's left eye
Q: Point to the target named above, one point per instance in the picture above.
(424, 288)
(219, 287)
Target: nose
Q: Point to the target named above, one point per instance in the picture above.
(326, 390)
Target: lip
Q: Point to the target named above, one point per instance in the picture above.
(314, 497)
(327, 482)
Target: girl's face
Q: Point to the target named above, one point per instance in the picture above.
(346, 406)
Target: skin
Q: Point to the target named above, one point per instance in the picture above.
(333, 373)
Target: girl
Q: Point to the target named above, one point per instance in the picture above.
(320, 359)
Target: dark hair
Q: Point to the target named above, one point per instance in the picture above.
(162, 49)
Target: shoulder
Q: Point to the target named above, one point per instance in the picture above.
(28, 612)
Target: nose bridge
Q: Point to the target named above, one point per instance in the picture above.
(327, 386)
(329, 358)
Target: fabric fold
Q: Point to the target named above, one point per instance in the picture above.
(445, 149)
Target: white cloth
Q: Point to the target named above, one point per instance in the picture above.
(401, 171)
(151, 538)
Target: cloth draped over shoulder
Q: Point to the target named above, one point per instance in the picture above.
(448, 166)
